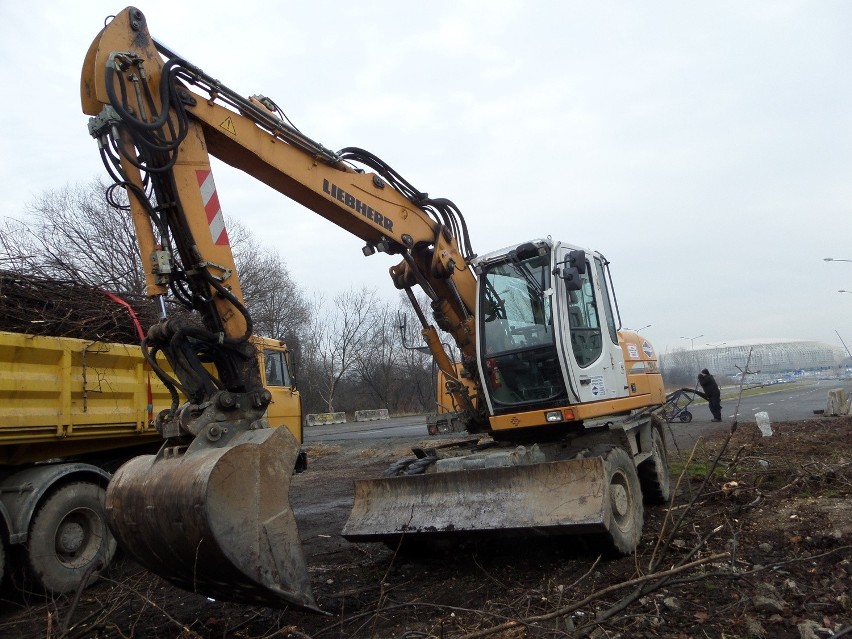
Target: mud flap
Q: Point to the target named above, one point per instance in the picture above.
(562, 497)
(216, 519)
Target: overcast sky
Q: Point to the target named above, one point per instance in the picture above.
(705, 148)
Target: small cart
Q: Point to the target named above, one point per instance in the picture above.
(676, 408)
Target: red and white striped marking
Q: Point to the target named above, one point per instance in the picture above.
(211, 206)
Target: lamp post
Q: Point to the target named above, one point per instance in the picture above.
(844, 291)
(692, 341)
(636, 330)
(834, 259)
(716, 345)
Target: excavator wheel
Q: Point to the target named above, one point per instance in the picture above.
(654, 472)
(624, 511)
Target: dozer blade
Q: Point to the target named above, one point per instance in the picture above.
(559, 497)
(216, 520)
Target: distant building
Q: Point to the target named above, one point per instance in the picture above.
(770, 359)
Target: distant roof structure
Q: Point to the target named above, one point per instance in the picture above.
(769, 356)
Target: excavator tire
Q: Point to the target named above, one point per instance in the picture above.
(624, 512)
(654, 472)
(68, 539)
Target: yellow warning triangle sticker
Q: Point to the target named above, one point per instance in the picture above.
(228, 125)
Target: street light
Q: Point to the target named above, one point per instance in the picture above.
(636, 330)
(716, 345)
(692, 341)
(834, 259)
(844, 291)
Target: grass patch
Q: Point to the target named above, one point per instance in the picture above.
(696, 470)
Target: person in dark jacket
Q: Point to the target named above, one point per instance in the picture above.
(714, 397)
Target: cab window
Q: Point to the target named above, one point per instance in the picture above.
(607, 301)
(276, 369)
(584, 322)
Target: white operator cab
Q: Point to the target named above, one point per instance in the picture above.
(548, 328)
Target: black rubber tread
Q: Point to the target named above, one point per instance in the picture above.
(419, 467)
(625, 530)
(77, 509)
(654, 472)
(409, 466)
(398, 467)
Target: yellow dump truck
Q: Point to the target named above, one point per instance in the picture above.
(72, 411)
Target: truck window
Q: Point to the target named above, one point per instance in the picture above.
(276, 369)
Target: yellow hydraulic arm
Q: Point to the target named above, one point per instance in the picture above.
(146, 99)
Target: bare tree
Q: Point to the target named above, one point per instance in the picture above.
(76, 233)
(335, 339)
(73, 233)
(416, 366)
(277, 305)
(679, 367)
(379, 365)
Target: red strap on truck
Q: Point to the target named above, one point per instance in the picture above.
(141, 334)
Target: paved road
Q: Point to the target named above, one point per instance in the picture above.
(783, 402)
(410, 426)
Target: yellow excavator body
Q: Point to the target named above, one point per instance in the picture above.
(535, 326)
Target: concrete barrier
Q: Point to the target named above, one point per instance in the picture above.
(837, 402)
(371, 415)
(315, 419)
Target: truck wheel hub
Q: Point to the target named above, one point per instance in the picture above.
(70, 538)
(619, 500)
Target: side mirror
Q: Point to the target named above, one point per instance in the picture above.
(577, 260)
(573, 281)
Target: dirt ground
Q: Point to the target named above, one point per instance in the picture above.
(757, 543)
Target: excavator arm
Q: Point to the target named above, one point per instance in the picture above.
(222, 473)
(158, 118)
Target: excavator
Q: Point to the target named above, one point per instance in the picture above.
(558, 400)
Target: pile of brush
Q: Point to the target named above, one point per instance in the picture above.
(44, 306)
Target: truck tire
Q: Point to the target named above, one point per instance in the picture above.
(654, 472)
(625, 504)
(68, 538)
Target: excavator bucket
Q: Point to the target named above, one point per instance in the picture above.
(216, 519)
(558, 497)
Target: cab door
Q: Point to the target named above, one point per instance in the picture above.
(593, 357)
